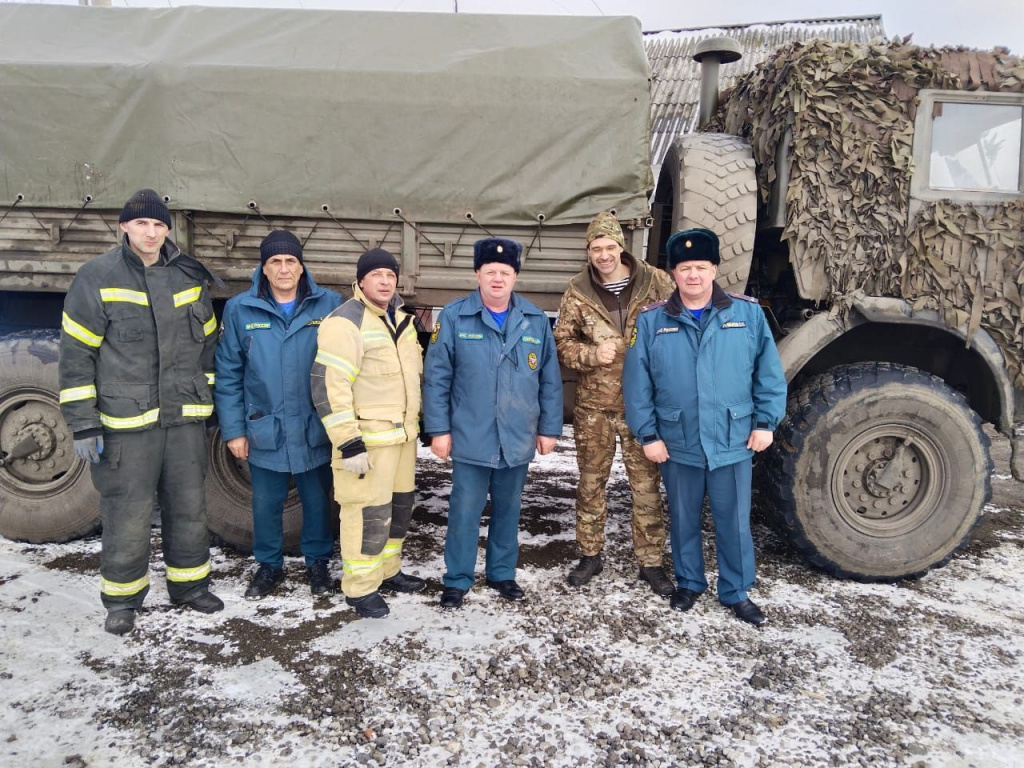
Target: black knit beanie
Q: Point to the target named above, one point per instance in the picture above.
(145, 204)
(376, 259)
(280, 242)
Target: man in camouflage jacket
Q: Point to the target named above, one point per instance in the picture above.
(595, 320)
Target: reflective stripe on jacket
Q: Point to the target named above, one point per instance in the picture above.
(703, 387)
(137, 343)
(493, 391)
(264, 360)
(367, 372)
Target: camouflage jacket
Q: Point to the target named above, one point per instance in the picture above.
(589, 315)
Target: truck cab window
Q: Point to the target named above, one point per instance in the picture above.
(976, 147)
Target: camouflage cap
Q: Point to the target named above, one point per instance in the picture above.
(605, 225)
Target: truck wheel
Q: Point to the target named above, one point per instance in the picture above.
(718, 190)
(47, 495)
(880, 471)
(229, 501)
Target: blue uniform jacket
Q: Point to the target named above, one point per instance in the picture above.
(263, 362)
(493, 392)
(703, 392)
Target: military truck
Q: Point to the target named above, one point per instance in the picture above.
(872, 197)
(419, 133)
(834, 175)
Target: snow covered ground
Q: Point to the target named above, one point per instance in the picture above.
(925, 673)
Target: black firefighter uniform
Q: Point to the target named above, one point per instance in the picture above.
(366, 383)
(136, 363)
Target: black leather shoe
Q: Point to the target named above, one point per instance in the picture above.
(320, 581)
(683, 599)
(403, 582)
(507, 589)
(660, 583)
(747, 611)
(371, 606)
(264, 581)
(204, 602)
(120, 622)
(451, 597)
(587, 568)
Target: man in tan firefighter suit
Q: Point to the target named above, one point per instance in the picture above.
(136, 368)
(366, 387)
(595, 320)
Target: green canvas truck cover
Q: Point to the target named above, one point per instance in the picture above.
(506, 117)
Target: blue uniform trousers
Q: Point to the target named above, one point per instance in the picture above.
(269, 492)
(470, 485)
(728, 492)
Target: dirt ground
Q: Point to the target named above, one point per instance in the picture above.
(926, 673)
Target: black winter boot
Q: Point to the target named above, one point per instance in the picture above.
(264, 581)
(320, 581)
(660, 583)
(587, 568)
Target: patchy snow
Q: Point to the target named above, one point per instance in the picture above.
(925, 673)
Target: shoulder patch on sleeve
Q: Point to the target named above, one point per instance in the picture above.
(654, 305)
(437, 330)
(743, 297)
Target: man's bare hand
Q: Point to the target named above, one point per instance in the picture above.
(239, 447)
(545, 445)
(656, 452)
(760, 439)
(606, 352)
(441, 446)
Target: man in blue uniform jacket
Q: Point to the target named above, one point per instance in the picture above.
(492, 398)
(266, 351)
(704, 391)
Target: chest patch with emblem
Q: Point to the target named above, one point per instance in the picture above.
(734, 324)
(531, 360)
(470, 336)
(257, 326)
(531, 339)
(668, 329)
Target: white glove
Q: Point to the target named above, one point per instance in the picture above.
(358, 464)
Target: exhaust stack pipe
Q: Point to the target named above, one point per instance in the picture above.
(709, 54)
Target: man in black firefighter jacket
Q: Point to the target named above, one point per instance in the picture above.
(136, 372)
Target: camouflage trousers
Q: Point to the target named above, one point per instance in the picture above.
(595, 450)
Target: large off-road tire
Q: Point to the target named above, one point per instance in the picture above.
(717, 190)
(229, 501)
(879, 471)
(48, 495)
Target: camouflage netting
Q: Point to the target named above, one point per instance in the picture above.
(850, 109)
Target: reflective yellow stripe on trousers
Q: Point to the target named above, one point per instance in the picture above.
(357, 567)
(123, 589)
(189, 574)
